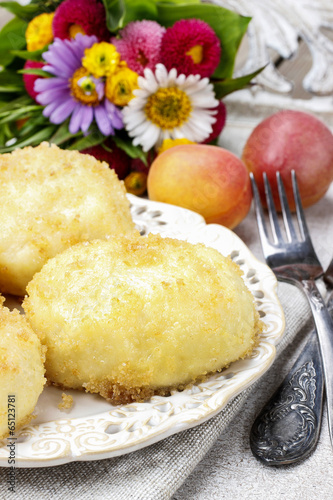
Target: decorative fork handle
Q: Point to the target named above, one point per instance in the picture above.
(287, 429)
(324, 327)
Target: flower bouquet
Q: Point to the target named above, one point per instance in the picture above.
(120, 79)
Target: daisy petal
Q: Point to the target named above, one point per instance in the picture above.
(192, 120)
(103, 121)
(75, 123)
(141, 129)
(42, 84)
(51, 107)
(203, 100)
(161, 75)
(63, 111)
(151, 137)
(133, 120)
(49, 96)
(147, 139)
(87, 118)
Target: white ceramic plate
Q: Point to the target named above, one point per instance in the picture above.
(93, 429)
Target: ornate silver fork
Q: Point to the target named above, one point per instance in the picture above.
(295, 262)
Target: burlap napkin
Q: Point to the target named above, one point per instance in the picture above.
(155, 472)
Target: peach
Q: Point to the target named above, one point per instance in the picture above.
(206, 179)
(292, 140)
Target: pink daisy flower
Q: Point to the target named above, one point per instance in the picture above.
(220, 116)
(140, 45)
(29, 80)
(192, 47)
(80, 16)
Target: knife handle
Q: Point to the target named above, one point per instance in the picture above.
(288, 427)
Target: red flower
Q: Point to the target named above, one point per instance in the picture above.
(80, 16)
(192, 47)
(138, 165)
(29, 80)
(220, 116)
(116, 158)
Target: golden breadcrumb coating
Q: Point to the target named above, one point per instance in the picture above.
(66, 402)
(135, 316)
(21, 370)
(51, 199)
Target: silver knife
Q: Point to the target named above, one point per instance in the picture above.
(287, 429)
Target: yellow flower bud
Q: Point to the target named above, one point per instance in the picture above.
(119, 86)
(136, 183)
(171, 143)
(39, 32)
(102, 59)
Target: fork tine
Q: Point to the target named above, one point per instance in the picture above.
(259, 212)
(299, 208)
(287, 217)
(273, 217)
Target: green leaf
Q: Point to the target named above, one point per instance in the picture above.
(10, 81)
(32, 125)
(130, 150)
(115, 11)
(3, 138)
(42, 135)
(25, 12)
(34, 71)
(17, 103)
(20, 110)
(32, 55)
(5, 134)
(16, 115)
(12, 37)
(46, 5)
(63, 135)
(139, 10)
(93, 139)
(228, 26)
(11, 88)
(225, 87)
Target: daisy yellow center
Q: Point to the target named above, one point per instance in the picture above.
(83, 88)
(102, 59)
(168, 108)
(39, 31)
(74, 29)
(196, 52)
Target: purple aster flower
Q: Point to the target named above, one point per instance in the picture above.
(72, 91)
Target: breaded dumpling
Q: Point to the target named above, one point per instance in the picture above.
(51, 199)
(134, 316)
(21, 370)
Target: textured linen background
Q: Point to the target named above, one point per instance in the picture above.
(229, 470)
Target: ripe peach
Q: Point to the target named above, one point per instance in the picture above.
(292, 140)
(206, 179)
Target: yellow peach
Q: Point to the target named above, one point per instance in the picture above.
(206, 179)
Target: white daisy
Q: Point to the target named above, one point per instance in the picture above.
(167, 106)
